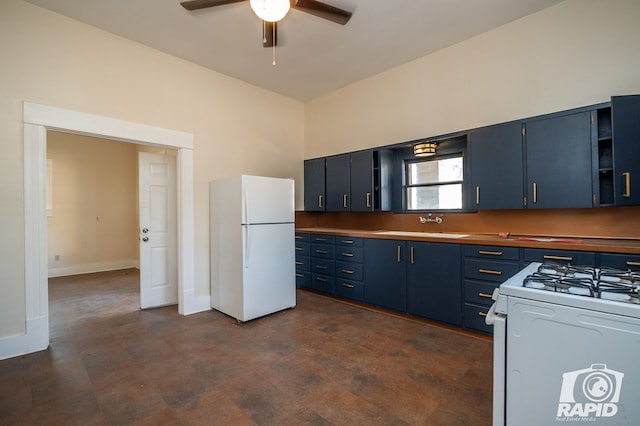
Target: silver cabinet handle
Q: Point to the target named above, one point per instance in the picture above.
(489, 271)
(490, 253)
(565, 258)
(344, 201)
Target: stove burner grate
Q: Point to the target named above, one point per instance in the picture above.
(604, 283)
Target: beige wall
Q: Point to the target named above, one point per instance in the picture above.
(53, 60)
(577, 53)
(93, 220)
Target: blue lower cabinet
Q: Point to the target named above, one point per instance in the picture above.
(303, 279)
(353, 290)
(384, 266)
(303, 261)
(434, 283)
(474, 318)
(323, 283)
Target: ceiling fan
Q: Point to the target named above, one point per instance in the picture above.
(313, 7)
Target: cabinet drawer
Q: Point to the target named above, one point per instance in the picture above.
(349, 241)
(479, 292)
(302, 238)
(481, 269)
(303, 279)
(474, 318)
(353, 290)
(349, 254)
(322, 239)
(322, 283)
(322, 266)
(303, 263)
(560, 256)
(322, 250)
(492, 252)
(303, 249)
(350, 271)
(620, 261)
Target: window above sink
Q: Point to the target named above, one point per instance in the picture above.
(434, 182)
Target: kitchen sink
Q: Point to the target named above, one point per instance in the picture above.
(421, 234)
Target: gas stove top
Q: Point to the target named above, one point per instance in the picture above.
(584, 287)
(604, 283)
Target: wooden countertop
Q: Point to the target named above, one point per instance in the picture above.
(628, 246)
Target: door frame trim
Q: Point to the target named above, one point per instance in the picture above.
(37, 119)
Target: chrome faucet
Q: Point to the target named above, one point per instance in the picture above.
(430, 218)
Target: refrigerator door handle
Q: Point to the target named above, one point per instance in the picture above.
(247, 246)
(245, 210)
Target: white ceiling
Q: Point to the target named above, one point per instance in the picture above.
(314, 56)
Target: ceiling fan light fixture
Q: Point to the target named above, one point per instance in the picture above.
(270, 10)
(424, 149)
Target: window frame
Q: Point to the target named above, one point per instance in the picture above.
(447, 148)
(433, 158)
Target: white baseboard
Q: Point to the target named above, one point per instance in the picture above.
(35, 339)
(194, 304)
(93, 267)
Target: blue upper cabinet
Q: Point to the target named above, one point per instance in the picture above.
(361, 178)
(314, 185)
(338, 182)
(625, 115)
(495, 153)
(358, 181)
(559, 162)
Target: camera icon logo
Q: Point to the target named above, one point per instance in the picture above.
(594, 384)
(590, 392)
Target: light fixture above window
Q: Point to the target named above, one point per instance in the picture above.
(270, 10)
(424, 149)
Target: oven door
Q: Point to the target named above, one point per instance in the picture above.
(498, 319)
(568, 364)
(499, 368)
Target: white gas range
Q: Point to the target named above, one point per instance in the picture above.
(567, 346)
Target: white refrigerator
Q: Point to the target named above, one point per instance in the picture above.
(252, 246)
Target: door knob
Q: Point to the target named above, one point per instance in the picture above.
(145, 230)
(145, 239)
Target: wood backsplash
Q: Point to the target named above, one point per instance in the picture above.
(605, 222)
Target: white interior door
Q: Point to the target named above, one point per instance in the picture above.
(158, 229)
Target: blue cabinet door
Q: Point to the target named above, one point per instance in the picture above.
(338, 183)
(314, 185)
(361, 176)
(434, 283)
(384, 274)
(625, 112)
(558, 166)
(496, 167)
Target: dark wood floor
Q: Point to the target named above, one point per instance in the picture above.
(324, 362)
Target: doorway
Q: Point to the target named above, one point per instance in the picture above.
(108, 210)
(37, 120)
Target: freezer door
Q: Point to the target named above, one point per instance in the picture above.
(566, 364)
(269, 269)
(267, 200)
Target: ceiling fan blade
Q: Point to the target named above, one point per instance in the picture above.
(270, 34)
(203, 4)
(322, 10)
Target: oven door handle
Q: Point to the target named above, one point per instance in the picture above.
(490, 319)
